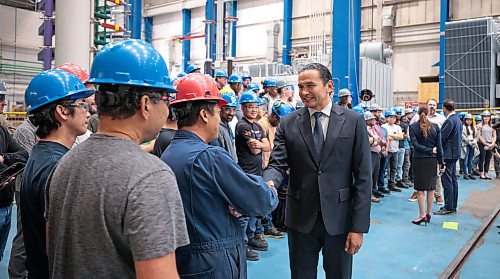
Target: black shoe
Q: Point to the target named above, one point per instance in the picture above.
(394, 189)
(443, 211)
(378, 194)
(252, 255)
(400, 184)
(471, 177)
(258, 243)
(384, 191)
(466, 177)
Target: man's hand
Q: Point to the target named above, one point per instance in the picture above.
(353, 242)
(255, 144)
(434, 150)
(233, 211)
(270, 183)
(1, 159)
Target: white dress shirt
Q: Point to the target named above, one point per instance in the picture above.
(324, 118)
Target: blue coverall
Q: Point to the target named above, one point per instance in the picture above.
(209, 181)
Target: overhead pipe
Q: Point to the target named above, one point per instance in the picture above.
(209, 35)
(48, 33)
(287, 31)
(186, 44)
(345, 68)
(445, 16)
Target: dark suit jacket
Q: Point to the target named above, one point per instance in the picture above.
(339, 185)
(423, 146)
(451, 135)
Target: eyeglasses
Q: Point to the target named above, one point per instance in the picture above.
(83, 105)
(251, 107)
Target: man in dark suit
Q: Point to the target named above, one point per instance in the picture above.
(451, 135)
(328, 203)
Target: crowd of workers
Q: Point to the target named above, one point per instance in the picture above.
(224, 164)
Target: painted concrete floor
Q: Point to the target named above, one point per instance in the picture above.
(394, 248)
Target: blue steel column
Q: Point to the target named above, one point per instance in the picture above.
(186, 44)
(287, 31)
(345, 46)
(234, 12)
(148, 29)
(210, 29)
(445, 5)
(136, 19)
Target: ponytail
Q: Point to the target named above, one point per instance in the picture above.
(425, 125)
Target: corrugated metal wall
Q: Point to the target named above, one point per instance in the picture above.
(469, 64)
(377, 77)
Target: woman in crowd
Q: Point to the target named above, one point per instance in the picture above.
(428, 153)
(469, 145)
(486, 141)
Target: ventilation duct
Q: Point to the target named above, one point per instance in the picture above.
(375, 50)
(388, 14)
(273, 31)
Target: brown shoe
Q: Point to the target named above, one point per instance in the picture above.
(439, 200)
(375, 199)
(413, 197)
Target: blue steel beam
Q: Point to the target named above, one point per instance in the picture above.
(234, 12)
(287, 31)
(136, 19)
(445, 15)
(345, 46)
(186, 44)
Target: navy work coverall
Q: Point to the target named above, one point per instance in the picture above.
(209, 181)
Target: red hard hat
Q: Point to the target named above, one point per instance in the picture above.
(196, 87)
(74, 69)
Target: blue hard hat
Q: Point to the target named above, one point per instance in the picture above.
(269, 83)
(281, 108)
(390, 112)
(462, 114)
(365, 107)
(181, 74)
(415, 109)
(250, 97)
(191, 68)
(130, 62)
(221, 74)
(398, 110)
(478, 118)
(235, 78)
(359, 110)
(231, 99)
(52, 85)
(245, 76)
(253, 86)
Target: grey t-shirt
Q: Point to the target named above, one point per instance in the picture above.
(109, 204)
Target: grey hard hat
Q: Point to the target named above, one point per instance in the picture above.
(375, 107)
(282, 83)
(368, 115)
(344, 92)
(408, 111)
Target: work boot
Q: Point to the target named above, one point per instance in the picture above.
(378, 194)
(439, 200)
(413, 197)
(252, 255)
(401, 185)
(273, 232)
(394, 189)
(258, 243)
(375, 199)
(384, 191)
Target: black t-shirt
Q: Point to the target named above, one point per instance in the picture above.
(43, 159)
(404, 128)
(246, 130)
(162, 142)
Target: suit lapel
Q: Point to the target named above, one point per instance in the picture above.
(334, 127)
(304, 123)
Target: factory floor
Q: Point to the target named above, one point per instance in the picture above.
(395, 248)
